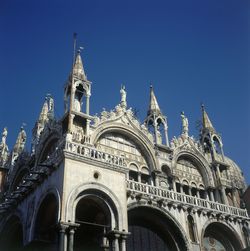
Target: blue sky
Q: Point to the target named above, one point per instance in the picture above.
(192, 51)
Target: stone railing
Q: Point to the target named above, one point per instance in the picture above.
(171, 196)
(92, 153)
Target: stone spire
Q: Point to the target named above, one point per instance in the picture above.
(153, 104)
(206, 122)
(19, 145)
(156, 121)
(78, 69)
(43, 117)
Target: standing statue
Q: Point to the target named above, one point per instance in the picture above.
(123, 97)
(20, 142)
(3, 148)
(184, 124)
(4, 136)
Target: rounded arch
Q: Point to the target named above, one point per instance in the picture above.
(134, 134)
(11, 236)
(201, 164)
(102, 193)
(221, 235)
(166, 170)
(158, 223)
(133, 166)
(46, 217)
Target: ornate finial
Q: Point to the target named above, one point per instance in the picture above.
(153, 105)
(184, 124)
(123, 97)
(202, 107)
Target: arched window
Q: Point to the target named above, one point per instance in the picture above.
(191, 228)
(133, 172)
(145, 177)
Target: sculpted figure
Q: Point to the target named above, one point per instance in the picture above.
(4, 136)
(123, 97)
(184, 124)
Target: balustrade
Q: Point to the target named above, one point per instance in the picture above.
(169, 195)
(92, 153)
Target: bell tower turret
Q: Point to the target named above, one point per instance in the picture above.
(77, 94)
(156, 121)
(210, 139)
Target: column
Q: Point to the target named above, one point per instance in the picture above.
(206, 195)
(189, 191)
(212, 195)
(115, 242)
(139, 177)
(217, 195)
(87, 104)
(234, 197)
(218, 171)
(224, 196)
(62, 229)
(123, 241)
(174, 184)
(198, 193)
(71, 239)
(181, 188)
(72, 228)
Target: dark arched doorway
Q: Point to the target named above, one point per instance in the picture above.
(11, 239)
(151, 230)
(94, 217)
(45, 232)
(217, 236)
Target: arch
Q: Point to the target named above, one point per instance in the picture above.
(166, 170)
(220, 234)
(11, 237)
(201, 163)
(101, 192)
(143, 143)
(18, 177)
(94, 217)
(161, 228)
(133, 166)
(185, 182)
(145, 170)
(46, 219)
(50, 190)
(48, 146)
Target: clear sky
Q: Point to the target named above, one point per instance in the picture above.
(192, 51)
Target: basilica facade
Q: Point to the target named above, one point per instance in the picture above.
(109, 182)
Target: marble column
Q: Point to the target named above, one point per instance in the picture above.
(72, 228)
(62, 237)
(174, 185)
(181, 188)
(87, 104)
(71, 239)
(224, 196)
(212, 195)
